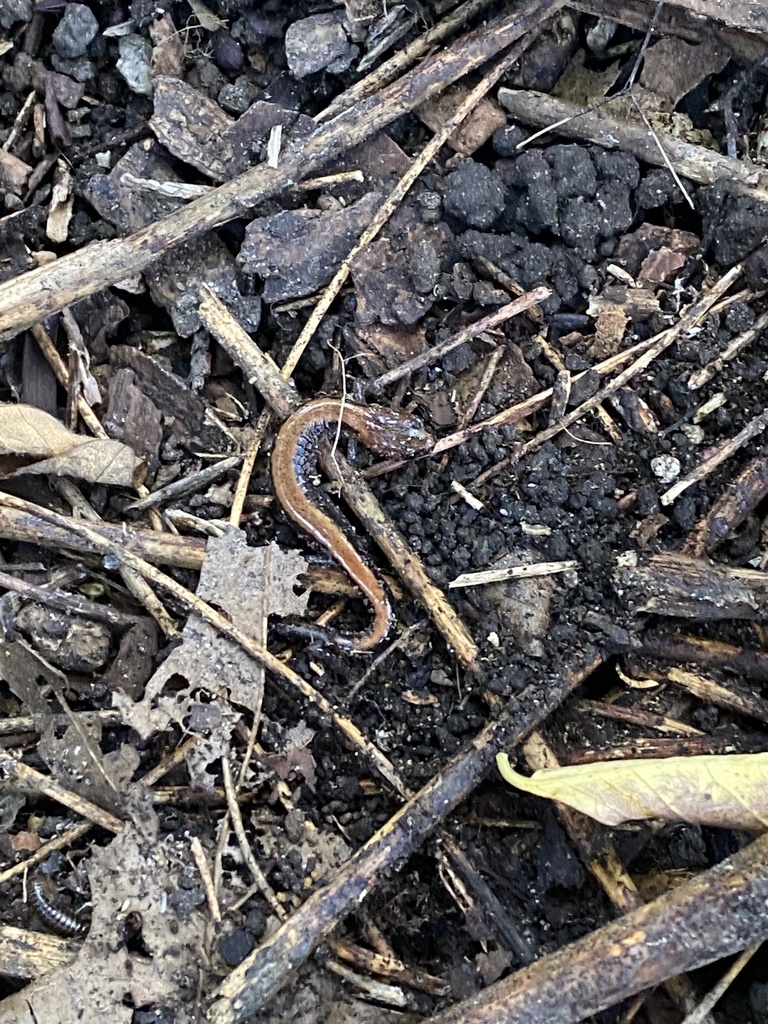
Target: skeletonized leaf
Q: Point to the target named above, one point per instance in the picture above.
(725, 790)
(29, 435)
(248, 584)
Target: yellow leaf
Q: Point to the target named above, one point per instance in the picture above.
(724, 790)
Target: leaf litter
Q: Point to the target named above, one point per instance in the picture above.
(248, 584)
(33, 441)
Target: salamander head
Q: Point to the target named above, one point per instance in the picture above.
(395, 435)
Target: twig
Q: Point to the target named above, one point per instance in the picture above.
(388, 966)
(13, 771)
(36, 723)
(736, 345)
(709, 691)
(404, 57)
(163, 548)
(737, 501)
(528, 406)
(244, 479)
(201, 861)
(716, 993)
(236, 821)
(60, 842)
(188, 484)
(266, 970)
(723, 452)
(432, 355)
(176, 757)
(73, 604)
(378, 991)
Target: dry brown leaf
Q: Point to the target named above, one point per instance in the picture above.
(722, 790)
(27, 433)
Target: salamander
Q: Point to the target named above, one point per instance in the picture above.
(294, 469)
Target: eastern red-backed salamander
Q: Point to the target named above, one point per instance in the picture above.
(294, 467)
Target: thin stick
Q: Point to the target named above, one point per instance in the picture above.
(60, 371)
(721, 454)
(432, 355)
(715, 994)
(163, 548)
(188, 484)
(736, 345)
(201, 861)
(176, 757)
(12, 771)
(36, 723)
(391, 68)
(73, 604)
(72, 835)
(244, 479)
(236, 820)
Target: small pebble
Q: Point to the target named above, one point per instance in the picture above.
(666, 468)
(134, 63)
(14, 10)
(314, 43)
(235, 947)
(77, 28)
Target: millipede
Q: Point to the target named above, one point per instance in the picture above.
(57, 920)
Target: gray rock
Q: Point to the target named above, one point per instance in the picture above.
(77, 28)
(14, 10)
(315, 43)
(133, 65)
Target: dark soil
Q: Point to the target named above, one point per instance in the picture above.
(558, 214)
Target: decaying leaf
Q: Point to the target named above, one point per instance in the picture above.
(247, 584)
(26, 673)
(296, 754)
(722, 790)
(29, 435)
(136, 877)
